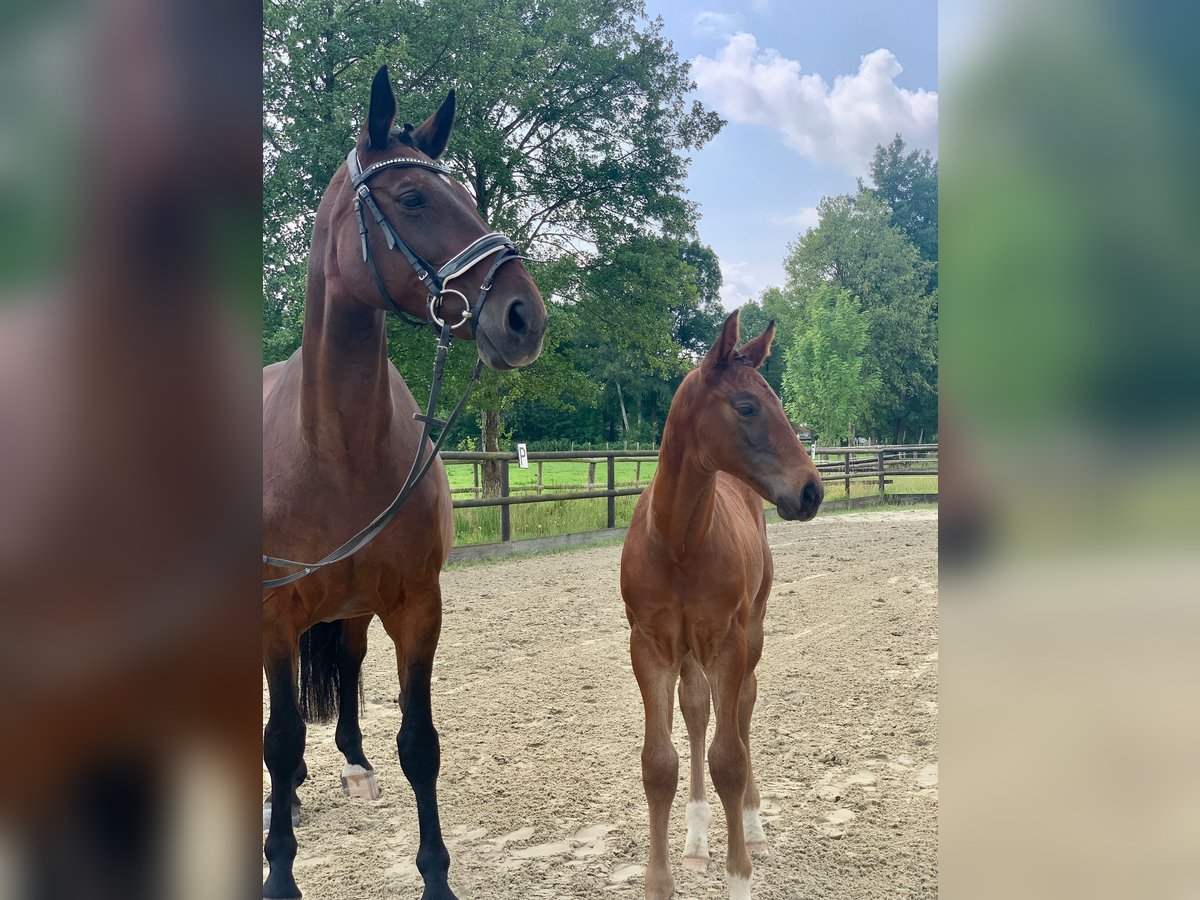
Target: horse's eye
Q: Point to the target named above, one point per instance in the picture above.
(745, 410)
(411, 199)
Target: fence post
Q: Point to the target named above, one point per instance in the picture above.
(637, 474)
(881, 488)
(591, 475)
(505, 510)
(539, 477)
(612, 486)
(847, 473)
(475, 473)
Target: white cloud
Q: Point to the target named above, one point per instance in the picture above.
(739, 283)
(839, 125)
(805, 219)
(718, 23)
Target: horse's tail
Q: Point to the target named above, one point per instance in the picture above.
(320, 682)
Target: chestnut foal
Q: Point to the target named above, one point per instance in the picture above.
(695, 575)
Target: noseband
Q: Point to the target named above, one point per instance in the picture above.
(435, 280)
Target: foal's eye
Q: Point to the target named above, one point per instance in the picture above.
(411, 199)
(745, 410)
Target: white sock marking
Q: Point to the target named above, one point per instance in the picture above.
(739, 888)
(698, 815)
(752, 826)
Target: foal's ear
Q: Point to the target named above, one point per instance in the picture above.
(722, 351)
(382, 112)
(755, 352)
(432, 135)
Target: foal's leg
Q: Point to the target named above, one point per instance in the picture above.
(656, 674)
(727, 758)
(283, 752)
(694, 700)
(358, 775)
(756, 840)
(415, 629)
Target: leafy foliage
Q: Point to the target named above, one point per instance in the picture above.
(877, 249)
(826, 385)
(907, 184)
(573, 134)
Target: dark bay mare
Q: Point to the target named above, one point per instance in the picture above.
(339, 436)
(695, 575)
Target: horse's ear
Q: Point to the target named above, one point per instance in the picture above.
(722, 350)
(755, 352)
(382, 113)
(432, 135)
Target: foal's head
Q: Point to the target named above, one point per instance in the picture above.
(739, 426)
(438, 218)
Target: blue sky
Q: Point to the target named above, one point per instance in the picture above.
(808, 90)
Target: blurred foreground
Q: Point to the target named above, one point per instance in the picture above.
(1070, 619)
(129, 285)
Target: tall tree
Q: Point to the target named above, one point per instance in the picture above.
(907, 184)
(573, 126)
(856, 248)
(828, 385)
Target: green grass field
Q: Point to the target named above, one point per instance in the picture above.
(555, 472)
(529, 520)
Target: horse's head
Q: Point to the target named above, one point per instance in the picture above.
(739, 425)
(436, 218)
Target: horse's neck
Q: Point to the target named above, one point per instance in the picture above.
(345, 392)
(684, 494)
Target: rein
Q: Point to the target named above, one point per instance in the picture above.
(435, 281)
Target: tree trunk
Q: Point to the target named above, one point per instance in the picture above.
(624, 415)
(491, 444)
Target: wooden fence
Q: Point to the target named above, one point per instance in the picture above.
(836, 464)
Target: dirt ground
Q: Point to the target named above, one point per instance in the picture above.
(541, 727)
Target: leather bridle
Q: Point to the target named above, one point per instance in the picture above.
(435, 281)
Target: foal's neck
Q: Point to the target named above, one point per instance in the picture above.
(684, 494)
(345, 395)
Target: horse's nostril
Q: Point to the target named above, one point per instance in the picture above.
(516, 318)
(811, 495)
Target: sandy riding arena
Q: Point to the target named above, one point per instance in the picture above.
(541, 728)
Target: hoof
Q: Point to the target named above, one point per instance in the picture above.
(267, 815)
(283, 888)
(758, 848)
(360, 782)
(697, 863)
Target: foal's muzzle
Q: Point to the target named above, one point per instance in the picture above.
(804, 505)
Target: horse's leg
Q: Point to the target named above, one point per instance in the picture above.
(756, 840)
(694, 700)
(727, 758)
(656, 677)
(283, 752)
(415, 629)
(301, 777)
(358, 775)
